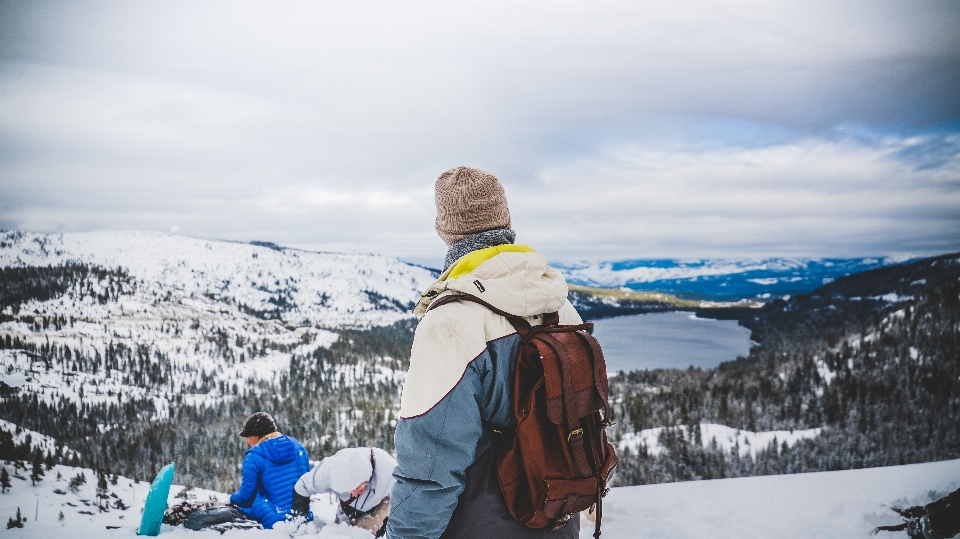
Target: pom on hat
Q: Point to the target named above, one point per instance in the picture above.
(469, 201)
(258, 424)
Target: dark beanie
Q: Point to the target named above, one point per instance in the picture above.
(258, 424)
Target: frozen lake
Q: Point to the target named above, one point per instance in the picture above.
(669, 340)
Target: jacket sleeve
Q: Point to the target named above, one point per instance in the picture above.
(435, 446)
(250, 483)
(315, 481)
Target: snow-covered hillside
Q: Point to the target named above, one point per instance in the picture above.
(746, 443)
(121, 331)
(841, 505)
(303, 288)
(193, 308)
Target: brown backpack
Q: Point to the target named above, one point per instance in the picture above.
(558, 461)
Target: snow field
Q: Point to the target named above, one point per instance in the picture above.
(842, 505)
(43, 504)
(727, 439)
(825, 505)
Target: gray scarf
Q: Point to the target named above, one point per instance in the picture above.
(481, 240)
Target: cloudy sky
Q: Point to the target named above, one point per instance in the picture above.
(633, 129)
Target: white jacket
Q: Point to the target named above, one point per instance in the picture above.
(352, 466)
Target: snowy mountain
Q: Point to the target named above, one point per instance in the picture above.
(175, 276)
(103, 334)
(826, 505)
(210, 317)
(720, 279)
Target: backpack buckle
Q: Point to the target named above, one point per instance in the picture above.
(575, 432)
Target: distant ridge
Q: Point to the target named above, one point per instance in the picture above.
(723, 280)
(261, 278)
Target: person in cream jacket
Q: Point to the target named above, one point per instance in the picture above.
(458, 390)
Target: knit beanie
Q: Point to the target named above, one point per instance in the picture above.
(258, 424)
(351, 466)
(469, 201)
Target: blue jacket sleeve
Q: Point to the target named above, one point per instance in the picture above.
(250, 483)
(433, 452)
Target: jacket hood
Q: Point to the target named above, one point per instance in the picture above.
(279, 450)
(512, 278)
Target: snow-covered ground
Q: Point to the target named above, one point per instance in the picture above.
(842, 505)
(726, 438)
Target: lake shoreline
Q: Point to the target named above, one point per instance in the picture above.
(672, 339)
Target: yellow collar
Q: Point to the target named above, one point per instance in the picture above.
(473, 259)
(266, 437)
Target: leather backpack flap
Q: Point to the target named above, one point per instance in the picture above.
(586, 398)
(521, 473)
(607, 457)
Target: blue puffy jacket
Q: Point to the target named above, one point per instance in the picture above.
(270, 470)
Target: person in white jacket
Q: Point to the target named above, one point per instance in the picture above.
(361, 477)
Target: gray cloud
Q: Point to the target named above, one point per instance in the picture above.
(651, 128)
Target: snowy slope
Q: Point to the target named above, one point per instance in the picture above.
(194, 310)
(841, 505)
(726, 438)
(307, 288)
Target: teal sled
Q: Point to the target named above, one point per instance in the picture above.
(156, 504)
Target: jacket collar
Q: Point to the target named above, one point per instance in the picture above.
(512, 278)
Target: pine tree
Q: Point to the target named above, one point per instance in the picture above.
(15, 523)
(37, 473)
(76, 481)
(4, 479)
(102, 493)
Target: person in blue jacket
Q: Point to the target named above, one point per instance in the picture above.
(271, 468)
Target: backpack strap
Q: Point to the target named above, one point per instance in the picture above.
(518, 323)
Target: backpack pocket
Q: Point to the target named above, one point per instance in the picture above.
(568, 496)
